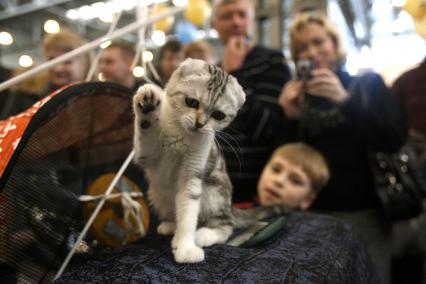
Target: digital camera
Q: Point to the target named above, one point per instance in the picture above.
(304, 69)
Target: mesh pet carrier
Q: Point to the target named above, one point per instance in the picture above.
(49, 155)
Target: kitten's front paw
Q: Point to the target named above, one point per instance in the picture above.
(145, 102)
(147, 98)
(188, 254)
(166, 228)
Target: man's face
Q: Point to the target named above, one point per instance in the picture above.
(233, 19)
(114, 66)
(170, 62)
(67, 72)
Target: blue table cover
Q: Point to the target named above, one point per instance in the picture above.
(310, 248)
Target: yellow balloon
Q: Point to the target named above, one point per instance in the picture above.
(416, 8)
(420, 26)
(198, 11)
(165, 24)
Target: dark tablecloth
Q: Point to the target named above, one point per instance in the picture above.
(310, 248)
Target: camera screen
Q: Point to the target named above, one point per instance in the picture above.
(304, 69)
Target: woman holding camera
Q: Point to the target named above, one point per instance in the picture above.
(345, 118)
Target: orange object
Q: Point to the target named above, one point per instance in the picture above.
(420, 26)
(166, 23)
(12, 129)
(198, 11)
(416, 8)
(109, 227)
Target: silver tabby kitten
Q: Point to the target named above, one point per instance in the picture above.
(175, 144)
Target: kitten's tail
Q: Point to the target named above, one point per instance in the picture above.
(247, 217)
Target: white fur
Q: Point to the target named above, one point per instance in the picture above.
(166, 228)
(205, 237)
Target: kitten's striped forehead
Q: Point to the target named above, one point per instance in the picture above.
(217, 82)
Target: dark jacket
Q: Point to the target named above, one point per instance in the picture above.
(370, 120)
(250, 139)
(410, 88)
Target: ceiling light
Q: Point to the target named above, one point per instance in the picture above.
(98, 6)
(6, 38)
(180, 3)
(150, 2)
(105, 44)
(399, 3)
(86, 13)
(147, 56)
(25, 61)
(101, 77)
(51, 27)
(106, 17)
(128, 5)
(158, 37)
(201, 33)
(213, 33)
(138, 71)
(72, 14)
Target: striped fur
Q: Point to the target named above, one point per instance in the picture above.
(217, 83)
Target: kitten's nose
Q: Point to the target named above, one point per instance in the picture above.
(199, 125)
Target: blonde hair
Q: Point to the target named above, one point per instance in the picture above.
(200, 50)
(35, 84)
(301, 20)
(65, 40)
(311, 161)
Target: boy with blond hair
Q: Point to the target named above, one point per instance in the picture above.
(293, 176)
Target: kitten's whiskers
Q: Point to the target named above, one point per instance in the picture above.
(219, 133)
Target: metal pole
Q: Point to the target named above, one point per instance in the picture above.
(95, 213)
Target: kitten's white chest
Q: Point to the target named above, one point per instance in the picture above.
(163, 184)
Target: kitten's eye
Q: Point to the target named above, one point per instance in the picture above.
(218, 115)
(192, 103)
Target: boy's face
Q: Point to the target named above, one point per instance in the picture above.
(283, 182)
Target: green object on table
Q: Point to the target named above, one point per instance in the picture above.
(257, 233)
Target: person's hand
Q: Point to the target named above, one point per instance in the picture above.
(234, 53)
(290, 99)
(325, 83)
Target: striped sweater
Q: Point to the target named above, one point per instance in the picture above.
(250, 139)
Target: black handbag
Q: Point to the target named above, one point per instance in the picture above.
(400, 182)
(399, 177)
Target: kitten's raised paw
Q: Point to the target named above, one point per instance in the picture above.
(166, 228)
(188, 254)
(147, 98)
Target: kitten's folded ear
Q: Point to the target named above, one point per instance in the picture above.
(191, 67)
(237, 90)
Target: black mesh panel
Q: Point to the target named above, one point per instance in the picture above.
(84, 131)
